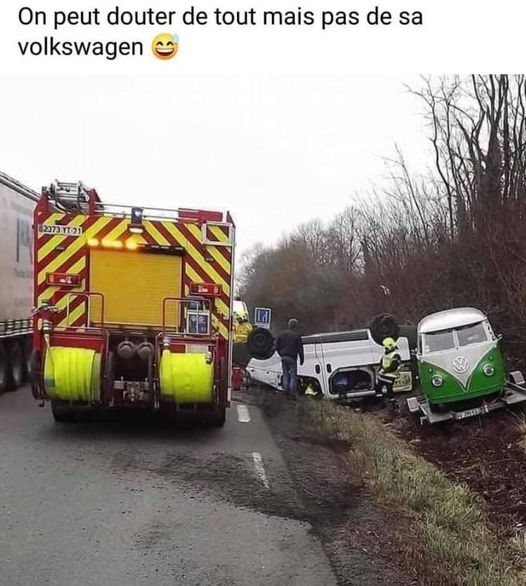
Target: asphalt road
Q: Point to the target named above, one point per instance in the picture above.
(134, 502)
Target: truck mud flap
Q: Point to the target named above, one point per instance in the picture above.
(34, 368)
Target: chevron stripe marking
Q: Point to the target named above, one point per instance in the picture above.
(198, 258)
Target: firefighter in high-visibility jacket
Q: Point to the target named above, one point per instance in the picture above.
(242, 330)
(388, 373)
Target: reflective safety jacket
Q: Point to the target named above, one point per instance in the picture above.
(242, 331)
(390, 364)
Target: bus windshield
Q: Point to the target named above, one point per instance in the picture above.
(438, 341)
(454, 338)
(472, 334)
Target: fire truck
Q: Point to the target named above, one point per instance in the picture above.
(133, 307)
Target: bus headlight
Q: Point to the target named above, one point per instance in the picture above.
(437, 380)
(488, 369)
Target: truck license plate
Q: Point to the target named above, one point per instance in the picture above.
(470, 413)
(57, 230)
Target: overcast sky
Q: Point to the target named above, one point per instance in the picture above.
(275, 151)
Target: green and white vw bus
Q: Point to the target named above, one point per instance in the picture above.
(459, 357)
(461, 369)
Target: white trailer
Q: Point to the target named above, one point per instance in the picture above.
(16, 279)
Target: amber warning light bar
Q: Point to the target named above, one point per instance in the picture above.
(207, 289)
(63, 279)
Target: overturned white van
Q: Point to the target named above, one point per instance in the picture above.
(343, 364)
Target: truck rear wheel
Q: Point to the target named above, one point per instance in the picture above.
(16, 366)
(216, 418)
(4, 369)
(62, 413)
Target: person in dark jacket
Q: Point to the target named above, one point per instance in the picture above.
(290, 347)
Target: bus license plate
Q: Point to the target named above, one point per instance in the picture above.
(470, 413)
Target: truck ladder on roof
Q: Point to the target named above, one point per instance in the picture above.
(72, 197)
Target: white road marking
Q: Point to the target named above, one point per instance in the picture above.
(260, 469)
(243, 416)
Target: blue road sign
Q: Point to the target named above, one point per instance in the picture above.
(262, 317)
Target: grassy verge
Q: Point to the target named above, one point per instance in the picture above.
(450, 518)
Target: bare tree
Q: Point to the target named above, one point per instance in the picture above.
(453, 236)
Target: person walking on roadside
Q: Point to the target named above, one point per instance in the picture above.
(290, 347)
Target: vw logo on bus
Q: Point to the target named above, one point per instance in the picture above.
(460, 364)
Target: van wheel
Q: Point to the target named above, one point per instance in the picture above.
(62, 413)
(4, 369)
(260, 344)
(16, 366)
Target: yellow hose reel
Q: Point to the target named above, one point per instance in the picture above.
(72, 374)
(186, 378)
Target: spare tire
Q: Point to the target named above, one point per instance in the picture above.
(384, 326)
(260, 344)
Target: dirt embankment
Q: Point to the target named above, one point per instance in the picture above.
(485, 453)
(387, 496)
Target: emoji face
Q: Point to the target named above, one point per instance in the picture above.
(165, 45)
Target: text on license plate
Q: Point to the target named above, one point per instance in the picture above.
(57, 230)
(470, 413)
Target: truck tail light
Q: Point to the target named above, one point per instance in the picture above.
(63, 280)
(205, 289)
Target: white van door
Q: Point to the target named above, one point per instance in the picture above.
(313, 364)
